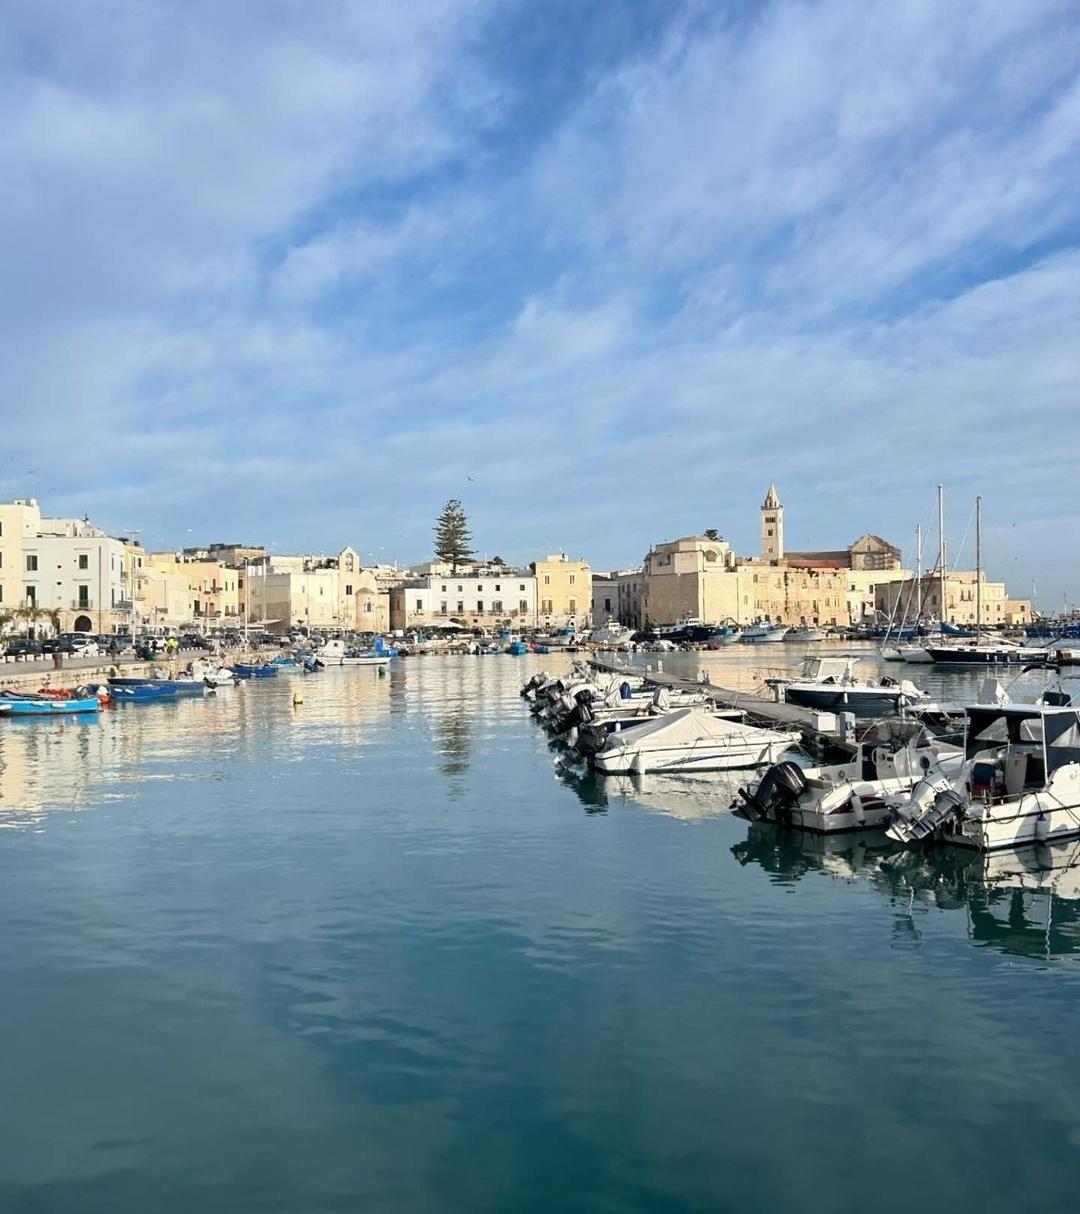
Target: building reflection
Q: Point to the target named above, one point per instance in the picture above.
(1025, 903)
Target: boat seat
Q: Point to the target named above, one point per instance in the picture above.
(1015, 773)
(985, 779)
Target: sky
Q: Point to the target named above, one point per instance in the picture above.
(296, 274)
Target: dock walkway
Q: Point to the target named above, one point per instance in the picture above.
(820, 727)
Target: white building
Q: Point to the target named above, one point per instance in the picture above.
(501, 597)
(77, 570)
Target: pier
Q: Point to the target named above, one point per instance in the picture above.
(824, 729)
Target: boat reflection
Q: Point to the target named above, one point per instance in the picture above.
(1025, 903)
(688, 798)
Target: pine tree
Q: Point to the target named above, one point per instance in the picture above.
(453, 539)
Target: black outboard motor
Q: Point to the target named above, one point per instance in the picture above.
(780, 787)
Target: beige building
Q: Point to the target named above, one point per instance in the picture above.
(563, 591)
(996, 608)
(690, 578)
(327, 594)
(19, 519)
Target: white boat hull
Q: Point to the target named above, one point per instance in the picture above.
(730, 756)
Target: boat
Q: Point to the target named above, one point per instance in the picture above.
(981, 652)
(764, 632)
(611, 636)
(1019, 784)
(691, 739)
(829, 684)
(248, 670)
(891, 756)
(725, 634)
(517, 648)
(916, 654)
(806, 634)
(45, 706)
(139, 692)
(220, 678)
(183, 686)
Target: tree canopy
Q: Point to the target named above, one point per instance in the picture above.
(453, 539)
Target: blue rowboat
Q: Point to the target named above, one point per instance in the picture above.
(143, 691)
(45, 707)
(244, 670)
(171, 686)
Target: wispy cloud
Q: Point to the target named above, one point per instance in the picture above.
(603, 274)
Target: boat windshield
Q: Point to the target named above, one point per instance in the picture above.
(1062, 739)
(991, 728)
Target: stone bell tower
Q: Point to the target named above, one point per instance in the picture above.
(772, 528)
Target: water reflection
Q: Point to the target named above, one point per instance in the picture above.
(688, 798)
(1025, 903)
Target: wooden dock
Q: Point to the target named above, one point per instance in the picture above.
(820, 728)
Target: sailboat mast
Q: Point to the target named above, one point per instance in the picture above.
(978, 566)
(918, 572)
(941, 547)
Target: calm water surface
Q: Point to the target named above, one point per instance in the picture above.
(370, 953)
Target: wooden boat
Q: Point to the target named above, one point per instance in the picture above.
(140, 692)
(247, 670)
(43, 706)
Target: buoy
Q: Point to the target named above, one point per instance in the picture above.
(298, 697)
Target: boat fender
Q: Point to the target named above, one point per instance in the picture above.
(1042, 827)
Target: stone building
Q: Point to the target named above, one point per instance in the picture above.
(996, 609)
(693, 577)
(617, 596)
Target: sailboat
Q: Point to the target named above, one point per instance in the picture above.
(982, 651)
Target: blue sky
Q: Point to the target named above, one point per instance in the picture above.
(297, 273)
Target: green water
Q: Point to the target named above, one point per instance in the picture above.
(371, 954)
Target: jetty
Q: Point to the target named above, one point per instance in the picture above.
(823, 729)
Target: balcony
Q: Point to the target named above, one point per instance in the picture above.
(79, 605)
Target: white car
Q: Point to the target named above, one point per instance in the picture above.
(90, 649)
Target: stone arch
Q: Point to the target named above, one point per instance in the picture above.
(83, 623)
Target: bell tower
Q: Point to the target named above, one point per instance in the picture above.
(772, 528)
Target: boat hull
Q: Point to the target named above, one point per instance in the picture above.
(47, 707)
(944, 656)
(869, 702)
(729, 756)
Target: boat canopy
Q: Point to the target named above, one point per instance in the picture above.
(839, 669)
(1053, 729)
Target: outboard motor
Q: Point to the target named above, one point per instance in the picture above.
(947, 804)
(777, 792)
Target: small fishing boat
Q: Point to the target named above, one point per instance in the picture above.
(517, 648)
(806, 634)
(764, 632)
(142, 692)
(45, 706)
(248, 670)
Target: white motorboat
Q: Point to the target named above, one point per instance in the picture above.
(806, 634)
(829, 684)
(764, 632)
(1019, 784)
(890, 759)
(337, 653)
(691, 739)
(220, 678)
(611, 636)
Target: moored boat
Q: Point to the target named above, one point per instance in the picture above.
(45, 706)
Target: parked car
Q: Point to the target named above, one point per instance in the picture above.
(194, 640)
(22, 647)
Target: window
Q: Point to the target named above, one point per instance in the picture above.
(348, 591)
(521, 586)
(444, 590)
(367, 605)
(607, 605)
(460, 607)
(497, 586)
(572, 576)
(523, 605)
(419, 604)
(573, 606)
(545, 606)
(547, 579)
(496, 607)
(459, 590)
(31, 564)
(479, 589)
(1, 593)
(31, 596)
(442, 608)
(480, 606)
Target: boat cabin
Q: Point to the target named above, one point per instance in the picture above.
(828, 669)
(1016, 748)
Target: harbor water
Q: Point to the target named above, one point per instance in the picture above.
(371, 953)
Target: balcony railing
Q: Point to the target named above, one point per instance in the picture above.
(79, 605)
